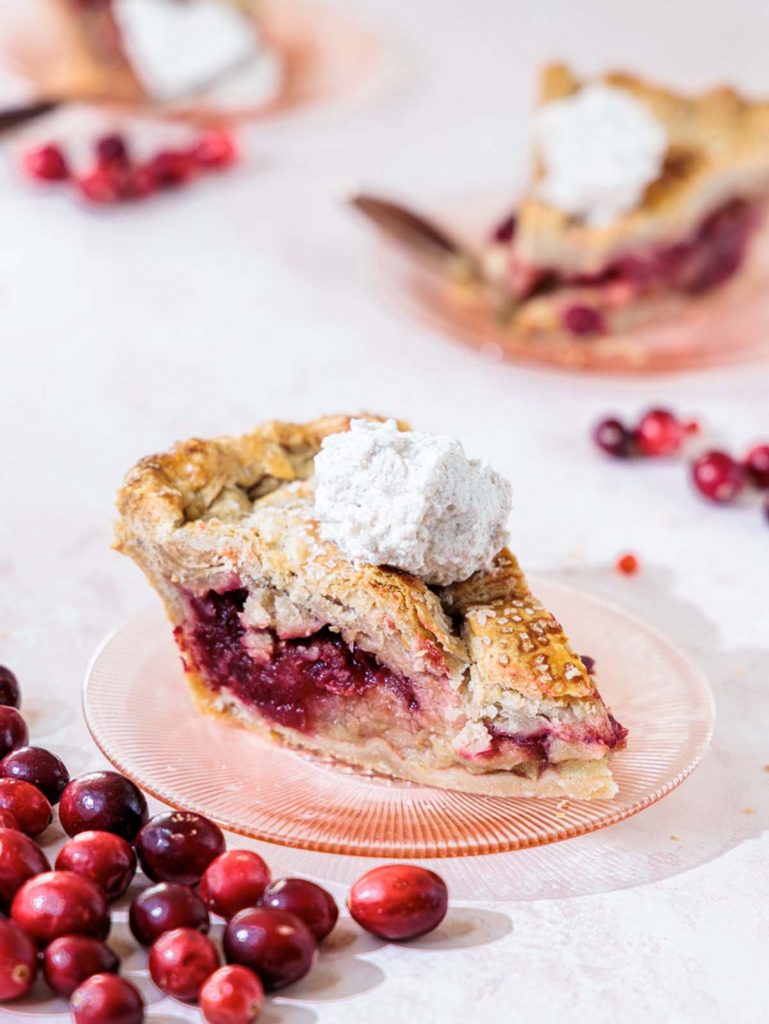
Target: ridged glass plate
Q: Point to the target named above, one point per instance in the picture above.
(140, 714)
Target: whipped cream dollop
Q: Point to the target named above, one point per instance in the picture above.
(600, 149)
(410, 500)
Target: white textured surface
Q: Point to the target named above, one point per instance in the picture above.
(248, 297)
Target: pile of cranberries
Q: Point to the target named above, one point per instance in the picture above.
(59, 920)
(716, 474)
(115, 177)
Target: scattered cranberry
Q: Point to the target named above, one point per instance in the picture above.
(178, 846)
(215, 149)
(112, 150)
(232, 995)
(276, 944)
(103, 802)
(13, 730)
(10, 693)
(627, 565)
(20, 859)
(171, 168)
(308, 901)
(60, 903)
(505, 230)
(18, 962)
(107, 999)
(613, 437)
(583, 321)
(8, 820)
(163, 908)
(399, 901)
(46, 163)
(101, 186)
(233, 881)
(27, 804)
(38, 766)
(181, 960)
(139, 183)
(718, 477)
(660, 433)
(757, 466)
(107, 859)
(70, 959)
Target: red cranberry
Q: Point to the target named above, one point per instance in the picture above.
(583, 321)
(13, 730)
(178, 846)
(46, 163)
(276, 944)
(104, 802)
(107, 999)
(27, 804)
(101, 186)
(504, 231)
(234, 880)
(232, 995)
(757, 466)
(20, 859)
(181, 960)
(8, 820)
(60, 903)
(10, 693)
(215, 149)
(107, 859)
(139, 183)
(399, 901)
(163, 908)
(38, 766)
(69, 960)
(718, 477)
(112, 150)
(660, 433)
(171, 168)
(627, 565)
(308, 901)
(613, 437)
(18, 962)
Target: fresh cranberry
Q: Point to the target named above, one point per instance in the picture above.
(46, 163)
(103, 802)
(276, 944)
(13, 730)
(70, 959)
(112, 150)
(38, 766)
(20, 859)
(8, 820)
(660, 433)
(18, 962)
(10, 692)
(60, 903)
(107, 999)
(308, 901)
(232, 995)
(613, 437)
(234, 880)
(178, 846)
(101, 186)
(627, 564)
(181, 960)
(718, 477)
(757, 466)
(27, 804)
(171, 168)
(163, 908)
(107, 859)
(215, 149)
(399, 901)
(505, 230)
(583, 321)
(139, 183)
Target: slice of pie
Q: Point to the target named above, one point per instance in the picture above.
(693, 229)
(472, 686)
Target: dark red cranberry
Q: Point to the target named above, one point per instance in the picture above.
(613, 437)
(234, 880)
(504, 231)
(13, 730)
(660, 433)
(718, 477)
(276, 944)
(308, 901)
(8, 820)
(46, 163)
(588, 662)
(112, 150)
(101, 186)
(107, 999)
(10, 693)
(180, 961)
(38, 766)
(60, 903)
(27, 804)
(20, 859)
(178, 846)
(18, 962)
(757, 466)
(70, 959)
(171, 168)
(215, 149)
(163, 908)
(103, 802)
(399, 901)
(583, 321)
(107, 859)
(232, 995)
(139, 183)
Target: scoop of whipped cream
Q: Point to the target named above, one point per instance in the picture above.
(410, 500)
(600, 149)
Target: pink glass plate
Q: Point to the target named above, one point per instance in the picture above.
(139, 712)
(728, 326)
